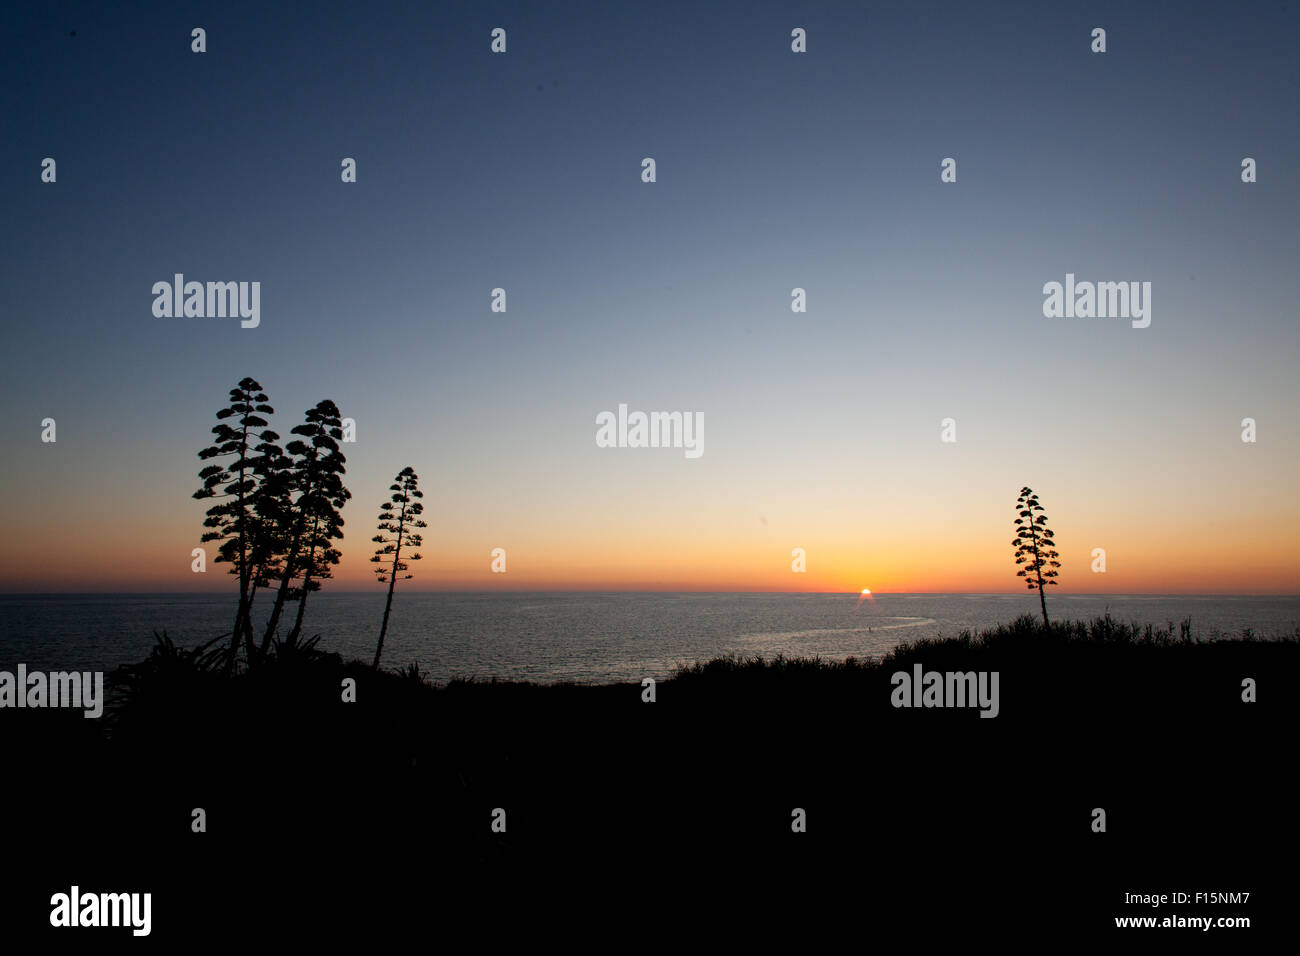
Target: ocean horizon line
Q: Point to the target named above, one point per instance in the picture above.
(597, 591)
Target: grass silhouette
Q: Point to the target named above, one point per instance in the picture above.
(1147, 722)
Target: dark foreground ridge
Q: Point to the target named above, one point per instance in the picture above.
(334, 815)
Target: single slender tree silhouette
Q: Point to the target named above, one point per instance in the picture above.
(236, 483)
(314, 475)
(397, 517)
(1034, 546)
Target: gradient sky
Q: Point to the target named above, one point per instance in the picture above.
(775, 170)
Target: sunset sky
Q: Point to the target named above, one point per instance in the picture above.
(775, 170)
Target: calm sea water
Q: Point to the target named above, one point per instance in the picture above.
(581, 637)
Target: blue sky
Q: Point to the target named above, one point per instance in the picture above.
(775, 170)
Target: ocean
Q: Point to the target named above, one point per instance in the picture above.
(582, 637)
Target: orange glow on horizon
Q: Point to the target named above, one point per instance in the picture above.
(594, 540)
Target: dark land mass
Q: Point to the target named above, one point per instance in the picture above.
(373, 818)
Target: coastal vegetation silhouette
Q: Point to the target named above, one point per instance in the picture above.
(300, 751)
(398, 517)
(233, 520)
(1034, 547)
(278, 511)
